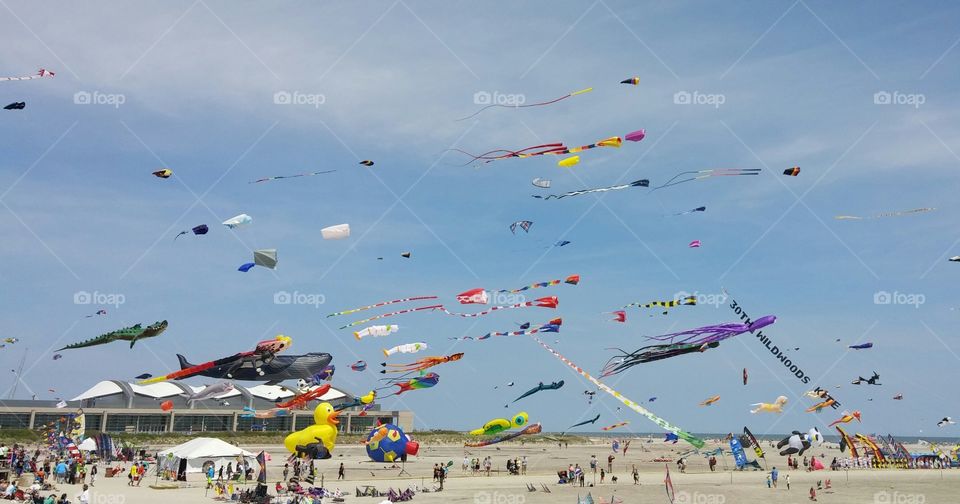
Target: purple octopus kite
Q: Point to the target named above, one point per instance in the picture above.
(680, 343)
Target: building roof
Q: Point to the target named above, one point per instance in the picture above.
(170, 389)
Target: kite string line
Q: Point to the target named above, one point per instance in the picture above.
(690, 438)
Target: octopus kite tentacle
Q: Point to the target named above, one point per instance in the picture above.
(538, 104)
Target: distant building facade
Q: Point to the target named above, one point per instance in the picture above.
(116, 406)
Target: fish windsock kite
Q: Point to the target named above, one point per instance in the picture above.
(406, 348)
(632, 80)
(358, 366)
(619, 316)
(694, 244)
(164, 173)
(710, 400)
(366, 162)
(16, 106)
(498, 425)
(541, 183)
(376, 331)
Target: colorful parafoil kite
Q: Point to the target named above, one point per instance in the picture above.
(568, 162)
(359, 365)
(792, 172)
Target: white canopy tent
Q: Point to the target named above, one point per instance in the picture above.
(88, 445)
(192, 455)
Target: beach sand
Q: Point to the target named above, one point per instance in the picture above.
(697, 486)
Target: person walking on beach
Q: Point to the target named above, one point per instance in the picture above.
(610, 463)
(523, 465)
(340, 473)
(84, 496)
(787, 478)
(93, 474)
(773, 476)
(768, 481)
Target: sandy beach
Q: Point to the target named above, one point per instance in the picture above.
(697, 485)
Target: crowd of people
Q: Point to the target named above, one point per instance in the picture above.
(48, 470)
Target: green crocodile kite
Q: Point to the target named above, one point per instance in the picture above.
(131, 334)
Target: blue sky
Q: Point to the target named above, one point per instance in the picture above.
(81, 212)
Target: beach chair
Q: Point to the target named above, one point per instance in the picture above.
(531, 488)
(546, 489)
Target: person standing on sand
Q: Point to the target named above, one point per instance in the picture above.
(636, 475)
(603, 474)
(340, 473)
(788, 481)
(768, 481)
(773, 476)
(523, 465)
(610, 463)
(93, 474)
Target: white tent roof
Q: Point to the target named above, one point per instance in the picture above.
(101, 389)
(202, 447)
(168, 389)
(88, 444)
